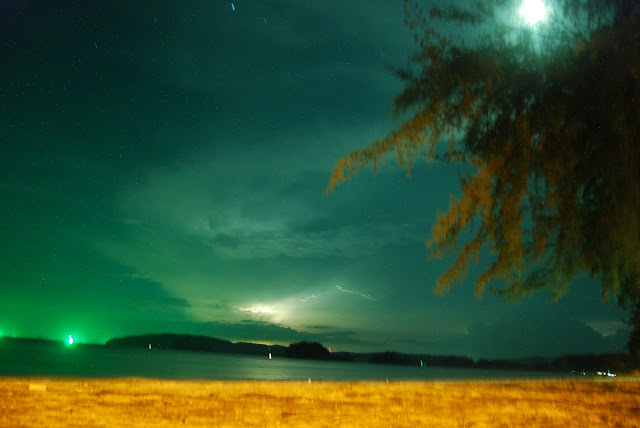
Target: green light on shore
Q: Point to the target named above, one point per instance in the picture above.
(70, 340)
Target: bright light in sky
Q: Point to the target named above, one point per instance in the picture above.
(533, 11)
(70, 340)
(258, 310)
(274, 311)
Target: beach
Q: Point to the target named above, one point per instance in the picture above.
(136, 402)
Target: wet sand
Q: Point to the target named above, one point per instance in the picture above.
(133, 402)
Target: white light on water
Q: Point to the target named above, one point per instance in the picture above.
(533, 11)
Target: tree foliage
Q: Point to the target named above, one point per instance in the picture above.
(308, 350)
(547, 120)
(634, 337)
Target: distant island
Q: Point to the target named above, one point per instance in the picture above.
(308, 350)
(579, 364)
(189, 342)
(314, 350)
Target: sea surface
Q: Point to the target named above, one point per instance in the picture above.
(52, 359)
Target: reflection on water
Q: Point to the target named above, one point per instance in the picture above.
(101, 361)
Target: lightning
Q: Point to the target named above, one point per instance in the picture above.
(354, 292)
(313, 296)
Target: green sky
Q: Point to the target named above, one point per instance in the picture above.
(163, 170)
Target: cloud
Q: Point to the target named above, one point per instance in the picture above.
(269, 220)
(344, 241)
(551, 334)
(144, 292)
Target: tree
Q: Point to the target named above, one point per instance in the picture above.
(634, 337)
(308, 350)
(544, 123)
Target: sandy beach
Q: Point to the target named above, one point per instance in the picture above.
(134, 402)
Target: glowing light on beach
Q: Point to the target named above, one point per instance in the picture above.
(533, 11)
(70, 340)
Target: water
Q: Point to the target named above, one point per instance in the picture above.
(37, 359)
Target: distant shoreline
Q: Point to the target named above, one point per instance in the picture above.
(135, 402)
(589, 364)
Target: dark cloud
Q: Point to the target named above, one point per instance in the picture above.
(225, 240)
(552, 334)
(144, 292)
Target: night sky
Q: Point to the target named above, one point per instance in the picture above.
(163, 167)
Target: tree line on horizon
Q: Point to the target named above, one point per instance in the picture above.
(314, 350)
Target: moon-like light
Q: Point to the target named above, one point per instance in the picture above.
(533, 11)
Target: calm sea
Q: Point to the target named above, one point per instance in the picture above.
(36, 359)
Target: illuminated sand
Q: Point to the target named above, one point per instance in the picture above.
(163, 403)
